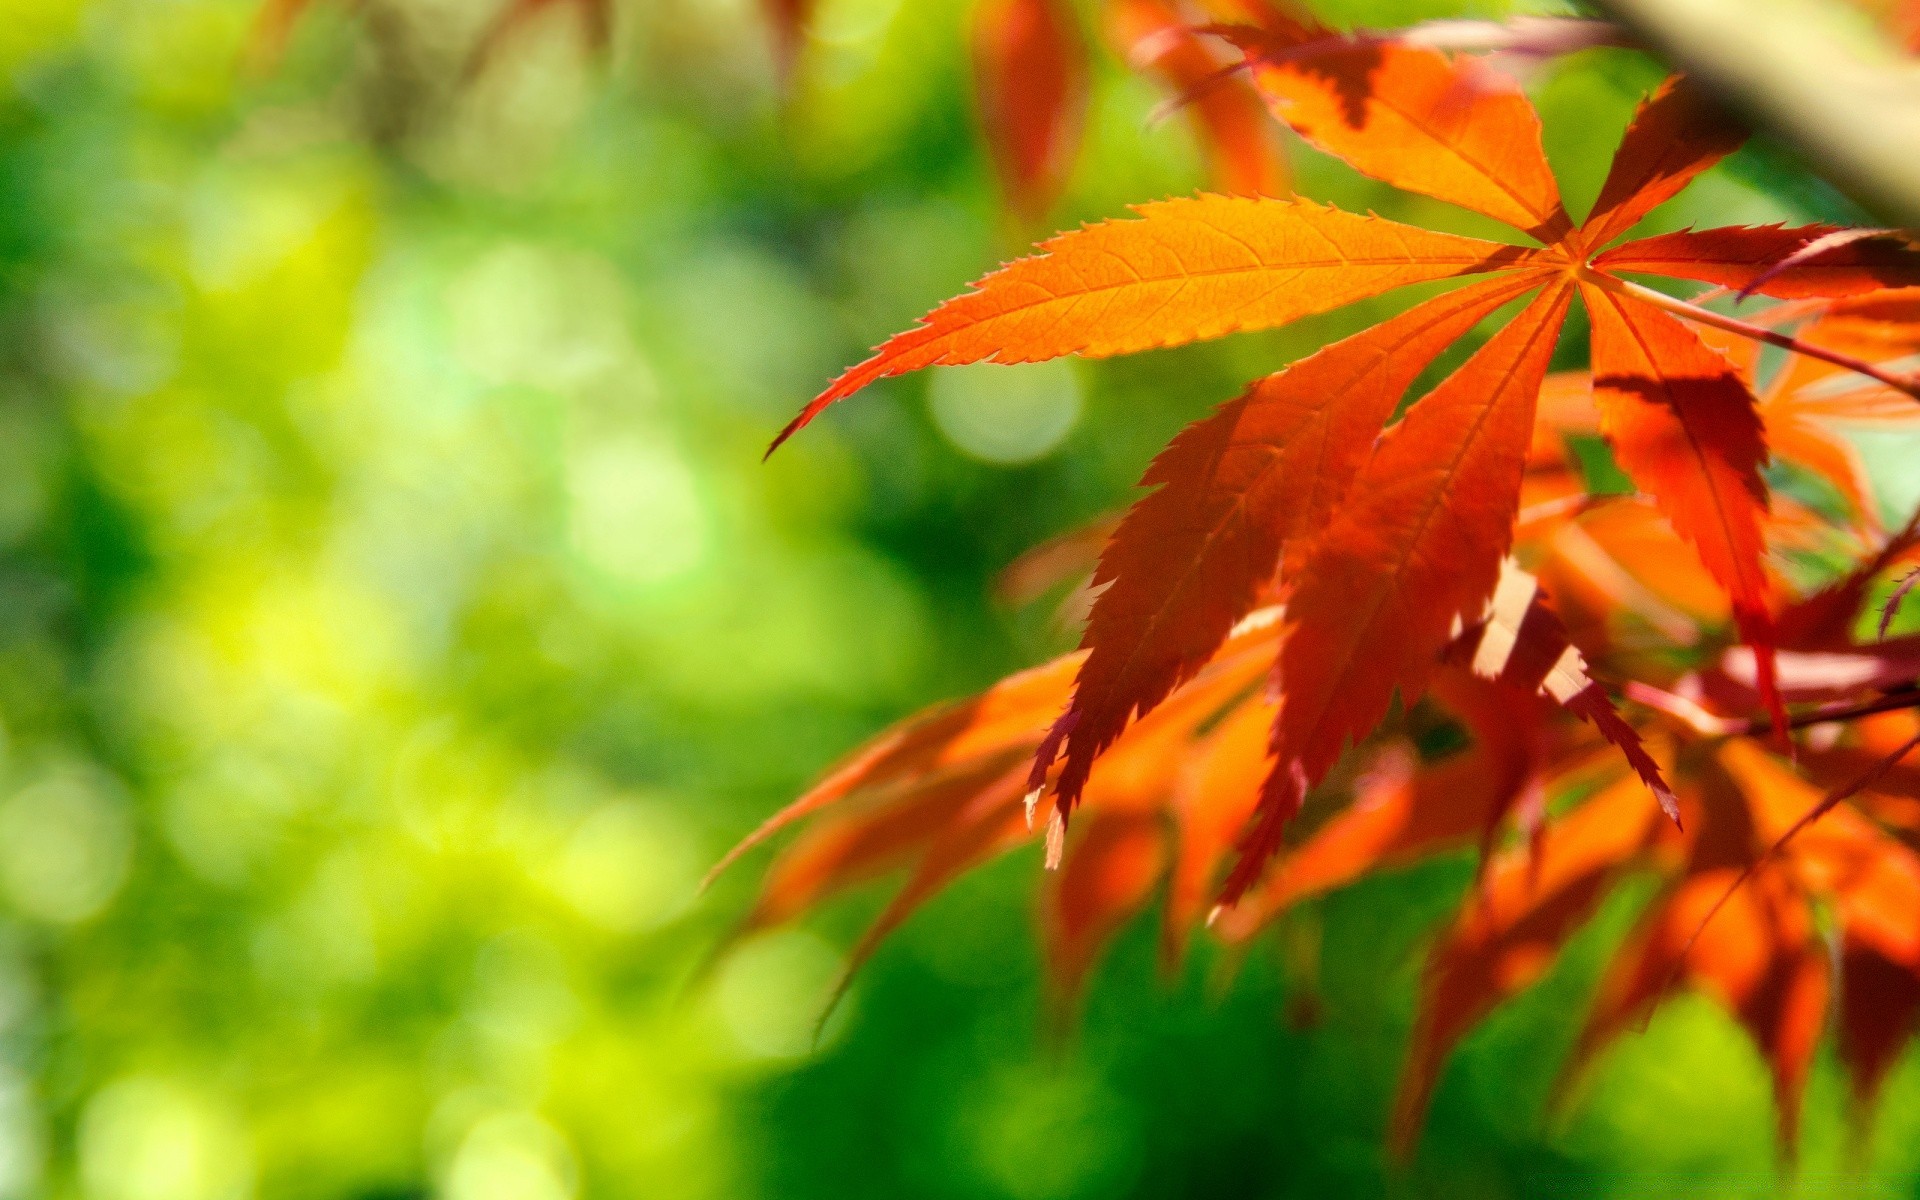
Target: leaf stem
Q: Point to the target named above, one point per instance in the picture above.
(1906, 383)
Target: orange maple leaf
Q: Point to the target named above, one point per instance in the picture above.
(1302, 537)
(1235, 133)
(1030, 73)
(1406, 536)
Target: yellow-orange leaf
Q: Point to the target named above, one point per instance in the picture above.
(1187, 270)
(1421, 121)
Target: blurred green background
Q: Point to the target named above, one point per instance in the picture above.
(396, 619)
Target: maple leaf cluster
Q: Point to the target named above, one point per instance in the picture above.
(1227, 739)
